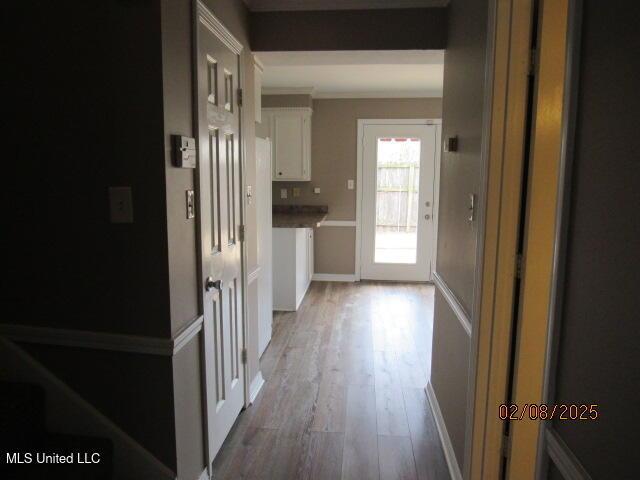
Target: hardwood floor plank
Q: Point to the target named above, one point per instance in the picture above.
(412, 373)
(391, 416)
(386, 369)
(427, 449)
(331, 411)
(324, 457)
(360, 457)
(396, 458)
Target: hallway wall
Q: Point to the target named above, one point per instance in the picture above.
(89, 115)
(598, 342)
(460, 176)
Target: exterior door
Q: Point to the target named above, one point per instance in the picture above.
(219, 174)
(398, 172)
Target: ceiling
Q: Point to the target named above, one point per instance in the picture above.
(354, 74)
(273, 5)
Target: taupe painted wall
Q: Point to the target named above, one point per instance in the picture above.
(451, 346)
(334, 138)
(462, 115)
(293, 100)
(388, 29)
(599, 356)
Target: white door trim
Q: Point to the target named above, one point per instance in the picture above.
(362, 122)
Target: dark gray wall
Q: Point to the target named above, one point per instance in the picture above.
(451, 348)
(599, 356)
(133, 390)
(86, 110)
(390, 29)
(88, 114)
(462, 115)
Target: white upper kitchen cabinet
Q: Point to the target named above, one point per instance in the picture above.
(290, 133)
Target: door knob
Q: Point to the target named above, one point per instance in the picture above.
(427, 216)
(210, 284)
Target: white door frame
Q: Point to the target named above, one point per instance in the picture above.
(362, 122)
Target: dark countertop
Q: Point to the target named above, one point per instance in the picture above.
(298, 216)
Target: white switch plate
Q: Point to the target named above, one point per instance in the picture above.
(283, 193)
(120, 205)
(350, 184)
(316, 189)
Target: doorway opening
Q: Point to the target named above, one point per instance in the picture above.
(398, 176)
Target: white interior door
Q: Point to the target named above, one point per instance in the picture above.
(263, 212)
(397, 228)
(219, 189)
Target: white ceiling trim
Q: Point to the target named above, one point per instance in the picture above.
(283, 5)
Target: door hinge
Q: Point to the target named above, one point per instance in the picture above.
(506, 446)
(519, 265)
(532, 62)
(244, 356)
(239, 97)
(241, 233)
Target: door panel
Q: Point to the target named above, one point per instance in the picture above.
(397, 201)
(219, 193)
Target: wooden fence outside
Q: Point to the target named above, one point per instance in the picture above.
(397, 196)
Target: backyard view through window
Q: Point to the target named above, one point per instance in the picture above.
(397, 184)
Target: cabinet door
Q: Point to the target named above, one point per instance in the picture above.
(289, 150)
(306, 141)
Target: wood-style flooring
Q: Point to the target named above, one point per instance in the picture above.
(344, 395)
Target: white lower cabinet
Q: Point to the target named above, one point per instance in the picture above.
(292, 266)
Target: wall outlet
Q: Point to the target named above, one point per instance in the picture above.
(283, 193)
(316, 190)
(295, 192)
(351, 184)
(120, 205)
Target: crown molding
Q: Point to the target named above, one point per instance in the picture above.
(210, 21)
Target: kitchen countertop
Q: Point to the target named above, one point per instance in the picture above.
(298, 216)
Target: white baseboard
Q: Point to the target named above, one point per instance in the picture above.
(452, 462)
(334, 277)
(255, 387)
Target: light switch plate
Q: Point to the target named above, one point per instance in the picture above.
(295, 192)
(283, 193)
(350, 184)
(120, 205)
(316, 190)
(191, 204)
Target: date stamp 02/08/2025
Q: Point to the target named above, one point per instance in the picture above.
(543, 411)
